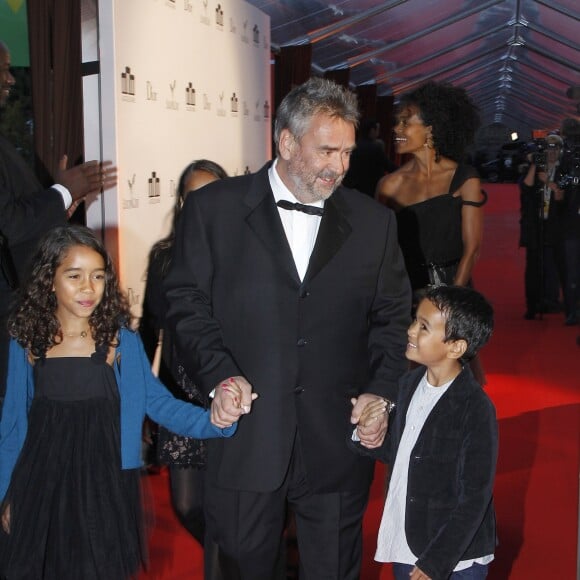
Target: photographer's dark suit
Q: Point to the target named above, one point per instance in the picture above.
(569, 230)
(238, 307)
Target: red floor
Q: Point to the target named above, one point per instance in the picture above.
(533, 377)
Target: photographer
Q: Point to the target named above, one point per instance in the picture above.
(540, 196)
(569, 216)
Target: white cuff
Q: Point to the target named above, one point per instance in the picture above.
(65, 193)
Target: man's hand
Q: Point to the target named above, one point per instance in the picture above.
(233, 398)
(371, 426)
(87, 178)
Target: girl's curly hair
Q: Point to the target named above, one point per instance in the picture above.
(452, 115)
(33, 321)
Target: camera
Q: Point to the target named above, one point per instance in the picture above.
(539, 149)
(570, 164)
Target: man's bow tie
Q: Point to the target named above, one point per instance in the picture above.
(309, 209)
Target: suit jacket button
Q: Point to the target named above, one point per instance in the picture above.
(298, 390)
(304, 294)
(302, 342)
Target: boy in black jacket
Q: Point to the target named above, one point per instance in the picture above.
(438, 521)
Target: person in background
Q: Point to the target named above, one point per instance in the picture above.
(285, 282)
(569, 244)
(369, 161)
(27, 210)
(439, 521)
(540, 208)
(186, 457)
(79, 386)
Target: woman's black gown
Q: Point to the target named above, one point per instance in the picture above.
(75, 514)
(431, 240)
(430, 234)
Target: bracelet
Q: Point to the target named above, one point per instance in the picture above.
(390, 405)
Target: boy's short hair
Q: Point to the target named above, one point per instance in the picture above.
(468, 316)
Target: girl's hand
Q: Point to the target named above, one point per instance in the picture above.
(233, 398)
(6, 519)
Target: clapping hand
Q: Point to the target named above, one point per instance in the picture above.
(87, 178)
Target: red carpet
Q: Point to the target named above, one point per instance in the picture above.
(533, 377)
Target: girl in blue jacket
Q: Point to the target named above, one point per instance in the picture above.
(79, 385)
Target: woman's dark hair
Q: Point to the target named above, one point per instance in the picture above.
(165, 244)
(33, 322)
(451, 114)
(468, 316)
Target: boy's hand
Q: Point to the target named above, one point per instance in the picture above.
(418, 574)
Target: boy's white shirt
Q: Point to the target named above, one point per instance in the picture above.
(392, 545)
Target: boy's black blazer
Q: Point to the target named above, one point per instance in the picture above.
(449, 508)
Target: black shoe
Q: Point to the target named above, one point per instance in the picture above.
(529, 315)
(572, 320)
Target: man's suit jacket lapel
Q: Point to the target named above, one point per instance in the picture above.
(333, 232)
(264, 220)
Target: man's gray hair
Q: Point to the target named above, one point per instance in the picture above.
(315, 96)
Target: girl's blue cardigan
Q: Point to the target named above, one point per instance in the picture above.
(140, 393)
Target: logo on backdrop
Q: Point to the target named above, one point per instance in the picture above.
(133, 298)
(234, 105)
(132, 202)
(233, 27)
(190, 97)
(244, 36)
(256, 35)
(245, 109)
(204, 17)
(221, 111)
(170, 3)
(151, 95)
(206, 102)
(172, 188)
(171, 103)
(266, 109)
(154, 188)
(128, 84)
(188, 6)
(219, 17)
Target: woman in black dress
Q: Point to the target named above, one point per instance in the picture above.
(437, 198)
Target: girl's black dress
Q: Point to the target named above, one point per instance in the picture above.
(74, 512)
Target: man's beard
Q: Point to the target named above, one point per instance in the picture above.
(308, 187)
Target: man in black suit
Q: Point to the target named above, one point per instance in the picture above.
(309, 311)
(27, 210)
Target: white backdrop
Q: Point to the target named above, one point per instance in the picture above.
(179, 80)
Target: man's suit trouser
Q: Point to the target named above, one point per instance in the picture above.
(249, 526)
